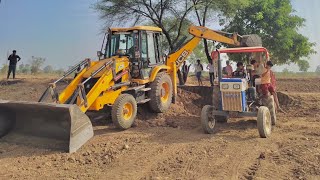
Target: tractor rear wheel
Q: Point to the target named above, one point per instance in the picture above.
(161, 93)
(272, 109)
(269, 102)
(264, 122)
(124, 111)
(208, 121)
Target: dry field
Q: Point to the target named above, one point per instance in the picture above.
(173, 146)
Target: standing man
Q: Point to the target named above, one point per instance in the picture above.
(227, 71)
(198, 71)
(185, 71)
(211, 72)
(13, 58)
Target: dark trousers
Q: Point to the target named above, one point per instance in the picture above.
(185, 76)
(211, 75)
(12, 68)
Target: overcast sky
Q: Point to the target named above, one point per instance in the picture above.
(67, 31)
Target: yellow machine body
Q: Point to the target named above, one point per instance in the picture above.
(131, 71)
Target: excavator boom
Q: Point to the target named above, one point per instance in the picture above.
(176, 59)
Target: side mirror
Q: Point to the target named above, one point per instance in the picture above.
(99, 54)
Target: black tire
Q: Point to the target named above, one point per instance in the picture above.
(208, 121)
(272, 109)
(124, 120)
(161, 93)
(216, 104)
(264, 122)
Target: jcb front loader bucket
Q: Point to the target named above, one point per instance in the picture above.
(42, 125)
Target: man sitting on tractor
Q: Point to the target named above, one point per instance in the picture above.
(240, 71)
(268, 84)
(257, 70)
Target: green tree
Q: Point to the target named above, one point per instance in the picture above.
(48, 69)
(119, 12)
(206, 11)
(36, 63)
(26, 69)
(4, 69)
(276, 23)
(318, 69)
(285, 71)
(59, 71)
(303, 65)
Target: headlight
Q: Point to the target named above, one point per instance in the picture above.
(225, 86)
(236, 86)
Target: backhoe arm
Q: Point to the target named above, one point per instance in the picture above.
(199, 33)
(176, 59)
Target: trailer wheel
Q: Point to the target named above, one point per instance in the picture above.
(124, 111)
(208, 121)
(161, 93)
(264, 122)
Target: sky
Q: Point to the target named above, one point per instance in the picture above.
(68, 31)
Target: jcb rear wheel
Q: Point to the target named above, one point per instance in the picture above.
(264, 122)
(124, 111)
(161, 93)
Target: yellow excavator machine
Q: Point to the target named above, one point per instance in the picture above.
(132, 70)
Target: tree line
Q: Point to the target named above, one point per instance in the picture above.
(274, 21)
(35, 66)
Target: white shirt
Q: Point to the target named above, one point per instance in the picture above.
(210, 68)
(260, 69)
(198, 68)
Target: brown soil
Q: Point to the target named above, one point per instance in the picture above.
(173, 146)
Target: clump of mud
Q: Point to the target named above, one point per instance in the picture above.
(287, 101)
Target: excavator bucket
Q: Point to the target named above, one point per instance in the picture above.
(251, 40)
(50, 126)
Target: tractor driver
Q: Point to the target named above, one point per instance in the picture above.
(257, 70)
(240, 72)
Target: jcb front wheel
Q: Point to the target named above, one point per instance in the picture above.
(124, 111)
(161, 93)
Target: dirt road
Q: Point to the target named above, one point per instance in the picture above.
(173, 145)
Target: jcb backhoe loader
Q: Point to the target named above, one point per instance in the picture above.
(132, 70)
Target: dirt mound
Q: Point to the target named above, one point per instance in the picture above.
(287, 100)
(189, 103)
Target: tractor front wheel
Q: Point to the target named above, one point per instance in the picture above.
(208, 121)
(264, 122)
(124, 111)
(161, 93)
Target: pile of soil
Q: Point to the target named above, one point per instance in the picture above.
(188, 104)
